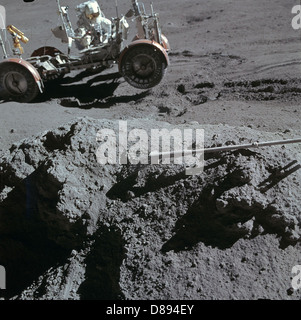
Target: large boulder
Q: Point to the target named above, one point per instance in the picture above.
(72, 228)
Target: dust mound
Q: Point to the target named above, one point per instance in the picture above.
(74, 229)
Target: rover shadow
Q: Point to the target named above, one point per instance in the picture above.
(103, 266)
(85, 93)
(28, 245)
(95, 92)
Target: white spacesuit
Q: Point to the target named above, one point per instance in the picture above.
(93, 27)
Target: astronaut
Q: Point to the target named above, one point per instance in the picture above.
(92, 26)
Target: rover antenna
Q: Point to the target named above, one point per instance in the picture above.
(116, 5)
(2, 31)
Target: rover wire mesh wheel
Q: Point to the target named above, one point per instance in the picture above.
(18, 83)
(143, 66)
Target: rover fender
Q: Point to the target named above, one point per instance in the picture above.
(143, 63)
(20, 80)
(34, 72)
(138, 42)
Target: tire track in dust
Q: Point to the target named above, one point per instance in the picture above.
(265, 68)
(193, 59)
(277, 65)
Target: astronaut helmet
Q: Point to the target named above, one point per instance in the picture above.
(92, 10)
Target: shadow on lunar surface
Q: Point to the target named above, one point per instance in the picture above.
(205, 222)
(103, 266)
(25, 248)
(95, 92)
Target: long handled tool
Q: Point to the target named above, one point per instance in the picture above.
(227, 148)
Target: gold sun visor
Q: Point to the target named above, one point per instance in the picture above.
(93, 15)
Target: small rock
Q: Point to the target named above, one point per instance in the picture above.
(181, 88)
(130, 195)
